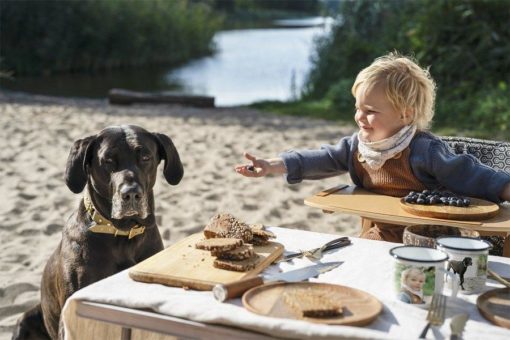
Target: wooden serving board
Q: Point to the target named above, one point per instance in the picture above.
(359, 307)
(182, 265)
(478, 210)
(494, 305)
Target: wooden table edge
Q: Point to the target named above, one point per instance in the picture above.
(160, 323)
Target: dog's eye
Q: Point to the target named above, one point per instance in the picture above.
(146, 158)
(108, 161)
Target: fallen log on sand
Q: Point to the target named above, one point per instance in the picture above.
(127, 97)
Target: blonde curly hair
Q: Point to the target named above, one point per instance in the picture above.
(409, 87)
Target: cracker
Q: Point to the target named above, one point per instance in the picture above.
(219, 244)
(242, 253)
(313, 303)
(238, 266)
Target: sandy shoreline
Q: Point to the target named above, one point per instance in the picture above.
(37, 133)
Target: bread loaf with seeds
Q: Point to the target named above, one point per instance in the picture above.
(225, 225)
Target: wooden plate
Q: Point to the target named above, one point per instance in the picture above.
(494, 305)
(478, 210)
(359, 307)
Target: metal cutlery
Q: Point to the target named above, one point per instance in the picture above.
(234, 289)
(332, 190)
(493, 275)
(457, 325)
(436, 314)
(316, 253)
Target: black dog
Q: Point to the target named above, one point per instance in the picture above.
(460, 267)
(114, 226)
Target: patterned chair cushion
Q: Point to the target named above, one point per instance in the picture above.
(491, 153)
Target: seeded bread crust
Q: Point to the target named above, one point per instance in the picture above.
(219, 244)
(238, 266)
(226, 225)
(313, 303)
(242, 253)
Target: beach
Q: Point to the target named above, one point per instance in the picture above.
(37, 133)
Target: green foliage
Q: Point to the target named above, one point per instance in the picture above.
(463, 42)
(43, 37)
(322, 109)
(261, 13)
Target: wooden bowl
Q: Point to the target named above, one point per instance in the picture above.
(425, 235)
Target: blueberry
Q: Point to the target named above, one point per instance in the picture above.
(420, 201)
(467, 202)
(426, 192)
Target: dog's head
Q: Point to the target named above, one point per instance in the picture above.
(467, 261)
(119, 164)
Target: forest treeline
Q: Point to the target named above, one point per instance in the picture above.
(45, 37)
(42, 37)
(464, 42)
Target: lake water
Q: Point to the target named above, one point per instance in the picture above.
(249, 65)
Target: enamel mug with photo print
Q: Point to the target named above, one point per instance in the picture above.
(467, 260)
(418, 273)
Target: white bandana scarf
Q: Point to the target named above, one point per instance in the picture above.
(377, 153)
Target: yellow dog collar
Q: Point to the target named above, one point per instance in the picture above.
(104, 226)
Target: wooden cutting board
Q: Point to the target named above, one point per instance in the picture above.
(494, 305)
(359, 307)
(182, 265)
(477, 210)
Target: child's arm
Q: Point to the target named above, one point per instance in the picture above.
(261, 167)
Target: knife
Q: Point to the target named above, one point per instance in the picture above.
(227, 291)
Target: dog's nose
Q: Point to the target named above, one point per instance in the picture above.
(131, 192)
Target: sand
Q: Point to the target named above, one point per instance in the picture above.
(36, 133)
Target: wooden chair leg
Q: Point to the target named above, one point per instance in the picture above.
(366, 224)
(506, 246)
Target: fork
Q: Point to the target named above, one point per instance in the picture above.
(316, 253)
(436, 314)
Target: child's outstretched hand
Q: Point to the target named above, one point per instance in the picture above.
(260, 167)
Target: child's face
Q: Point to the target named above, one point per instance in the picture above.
(416, 281)
(375, 115)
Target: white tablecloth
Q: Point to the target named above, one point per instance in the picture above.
(367, 266)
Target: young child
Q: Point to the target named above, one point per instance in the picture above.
(392, 153)
(411, 285)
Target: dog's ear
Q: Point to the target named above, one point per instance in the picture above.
(173, 170)
(77, 162)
